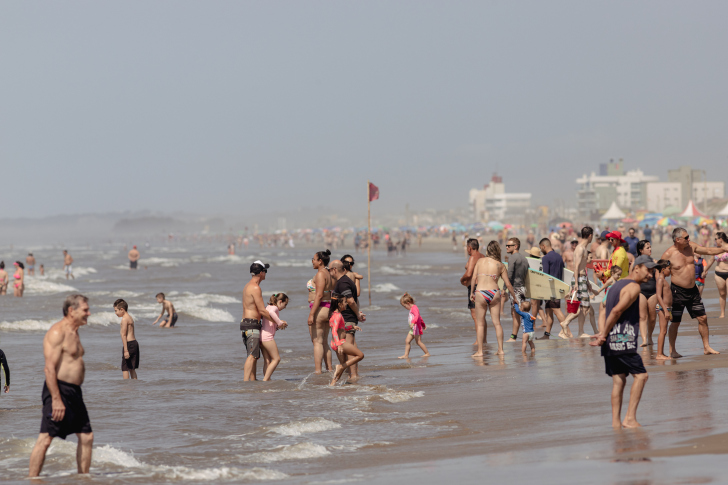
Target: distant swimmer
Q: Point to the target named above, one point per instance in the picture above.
(618, 340)
(486, 294)
(339, 343)
(64, 411)
(319, 302)
(6, 370)
(19, 277)
(345, 290)
(472, 248)
(231, 249)
(685, 293)
(4, 279)
(30, 261)
(271, 357)
(416, 324)
(68, 265)
(167, 307)
(129, 344)
(133, 258)
(253, 313)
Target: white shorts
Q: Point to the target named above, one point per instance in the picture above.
(69, 268)
(529, 336)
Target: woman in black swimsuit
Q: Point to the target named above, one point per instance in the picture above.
(721, 269)
(648, 299)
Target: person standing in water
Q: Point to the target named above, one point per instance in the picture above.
(553, 266)
(271, 357)
(64, 411)
(682, 283)
(472, 248)
(133, 258)
(168, 307)
(68, 265)
(618, 341)
(721, 269)
(5, 369)
(417, 326)
(253, 313)
(348, 262)
(488, 271)
(583, 286)
(30, 261)
(345, 289)
(319, 302)
(129, 344)
(339, 342)
(19, 276)
(4, 278)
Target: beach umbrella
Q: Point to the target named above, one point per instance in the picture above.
(495, 225)
(666, 221)
(508, 226)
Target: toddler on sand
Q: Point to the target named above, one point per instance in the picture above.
(417, 326)
(526, 324)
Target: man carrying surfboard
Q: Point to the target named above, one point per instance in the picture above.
(553, 266)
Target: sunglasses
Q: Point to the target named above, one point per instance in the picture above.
(351, 263)
(510, 245)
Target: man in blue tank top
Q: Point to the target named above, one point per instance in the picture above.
(618, 339)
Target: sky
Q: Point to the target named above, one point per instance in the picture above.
(256, 106)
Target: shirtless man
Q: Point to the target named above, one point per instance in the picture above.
(133, 258)
(68, 264)
(602, 251)
(30, 262)
(64, 412)
(473, 250)
(685, 293)
(129, 345)
(583, 286)
(168, 307)
(253, 311)
(568, 255)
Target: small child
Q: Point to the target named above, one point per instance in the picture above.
(129, 345)
(42, 270)
(417, 326)
(524, 311)
(271, 358)
(700, 269)
(664, 307)
(339, 344)
(616, 274)
(169, 308)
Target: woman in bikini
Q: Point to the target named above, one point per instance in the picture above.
(19, 276)
(319, 300)
(3, 279)
(648, 299)
(721, 270)
(486, 294)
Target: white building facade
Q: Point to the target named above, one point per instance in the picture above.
(493, 203)
(597, 192)
(661, 195)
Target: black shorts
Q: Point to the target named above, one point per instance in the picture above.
(553, 304)
(133, 361)
(250, 330)
(471, 304)
(75, 420)
(686, 298)
(133, 264)
(173, 317)
(624, 364)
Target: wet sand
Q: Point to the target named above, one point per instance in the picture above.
(191, 419)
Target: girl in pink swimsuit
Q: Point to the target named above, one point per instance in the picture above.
(339, 344)
(417, 326)
(271, 357)
(19, 279)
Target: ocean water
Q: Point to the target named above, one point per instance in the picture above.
(190, 418)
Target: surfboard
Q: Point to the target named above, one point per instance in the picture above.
(541, 286)
(535, 264)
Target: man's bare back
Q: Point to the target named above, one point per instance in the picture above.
(568, 257)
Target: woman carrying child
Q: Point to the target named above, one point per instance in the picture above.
(271, 357)
(417, 326)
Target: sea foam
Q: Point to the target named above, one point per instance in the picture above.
(297, 428)
(300, 451)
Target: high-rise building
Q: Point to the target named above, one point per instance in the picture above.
(493, 203)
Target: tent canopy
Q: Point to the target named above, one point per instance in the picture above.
(691, 211)
(614, 212)
(724, 212)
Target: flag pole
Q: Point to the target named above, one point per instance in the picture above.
(369, 243)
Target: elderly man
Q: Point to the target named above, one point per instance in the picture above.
(685, 293)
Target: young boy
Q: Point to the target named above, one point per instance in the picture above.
(166, 307)
(130, 347)
(664, 309)
(526, 324)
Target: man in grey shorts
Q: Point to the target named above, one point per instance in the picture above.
(517, 271)
(253, 311)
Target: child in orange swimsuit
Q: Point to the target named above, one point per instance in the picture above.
(339, 344)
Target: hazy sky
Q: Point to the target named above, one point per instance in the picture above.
(236, 106)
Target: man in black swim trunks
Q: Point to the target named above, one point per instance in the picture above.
(618, 339)
(253, 311)
(685, 294)
(345, 289)
(472, 247)
(64, 411)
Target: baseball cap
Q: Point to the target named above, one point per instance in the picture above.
(646, 260)
(259, 266)
(603, 235)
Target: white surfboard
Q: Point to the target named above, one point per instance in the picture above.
(535, 264)
(541, 286)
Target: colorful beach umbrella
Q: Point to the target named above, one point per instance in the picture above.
(666, 221)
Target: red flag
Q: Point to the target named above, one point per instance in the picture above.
(373, 192)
